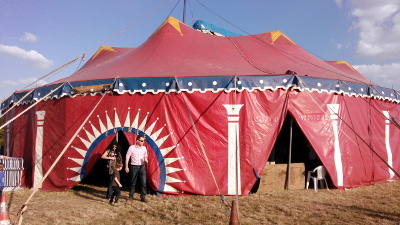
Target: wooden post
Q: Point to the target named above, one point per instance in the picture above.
(234, 219)
(290, 156)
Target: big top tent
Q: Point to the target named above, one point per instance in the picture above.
(211, 108)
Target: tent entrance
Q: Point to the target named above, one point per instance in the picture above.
(98, 175)
(276, 174)
(280, 151)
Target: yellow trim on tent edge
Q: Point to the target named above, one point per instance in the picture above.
(174, 22)
(346, 63)
(276, 34)
(104, 47)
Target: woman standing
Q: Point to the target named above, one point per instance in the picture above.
(113, 155)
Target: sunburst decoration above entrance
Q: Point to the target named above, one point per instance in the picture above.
(96, 133)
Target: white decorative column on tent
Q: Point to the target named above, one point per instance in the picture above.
(334, 111)
(234, 184)
(38, 172)
(387, 142)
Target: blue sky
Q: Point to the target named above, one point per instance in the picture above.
(39, 36)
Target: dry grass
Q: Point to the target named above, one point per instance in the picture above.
(85, 204)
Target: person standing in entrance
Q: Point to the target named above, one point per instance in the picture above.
(112, 155)
(116, 192)
(138, 155)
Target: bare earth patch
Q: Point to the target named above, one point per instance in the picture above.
(85, 204)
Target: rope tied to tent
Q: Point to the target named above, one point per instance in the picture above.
(17, 103)
(15, 117)
(130, 26)
(394, 121)
(40, 78)
(25, 206)
(248, 60)
(282, 50)
(351, 128)
(202, 148)
(97, 46)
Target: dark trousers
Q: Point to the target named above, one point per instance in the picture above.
(109, 188)
(115, 193)
(138, 172)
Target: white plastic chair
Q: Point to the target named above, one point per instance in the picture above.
(318, 174)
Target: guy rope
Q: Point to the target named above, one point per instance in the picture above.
(35, 189)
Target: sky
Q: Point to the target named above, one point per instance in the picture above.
(37, 37)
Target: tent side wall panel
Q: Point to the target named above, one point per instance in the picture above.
(177, 164)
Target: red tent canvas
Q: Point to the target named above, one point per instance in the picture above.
(191, 93)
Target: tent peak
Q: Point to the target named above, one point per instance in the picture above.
(103, 48)
(174, 22)
(276, 34)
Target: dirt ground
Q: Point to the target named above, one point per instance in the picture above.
(85, 204)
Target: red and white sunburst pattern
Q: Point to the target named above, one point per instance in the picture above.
(93, 133)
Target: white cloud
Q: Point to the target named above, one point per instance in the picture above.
(387, 75)
(339, 46)
(28, 37)
(7, 87)
(22, 83)
(32, 57)
(339, 3)
(379, 25)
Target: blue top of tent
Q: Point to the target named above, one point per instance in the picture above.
(201, 25)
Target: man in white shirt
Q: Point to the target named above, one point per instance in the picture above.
(138, 156)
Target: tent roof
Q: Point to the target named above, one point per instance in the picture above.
(179, 58)
(175, 49)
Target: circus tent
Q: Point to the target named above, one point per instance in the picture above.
(211, 109)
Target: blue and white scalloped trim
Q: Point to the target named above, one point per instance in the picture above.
(213, 84)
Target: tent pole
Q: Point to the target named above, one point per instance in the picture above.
(290, 155)
(15, 117)
(184, 11)
(24, 206)
(40, 78)
(351, 128)
(237, 153)
(201, 145)
(15, 104)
